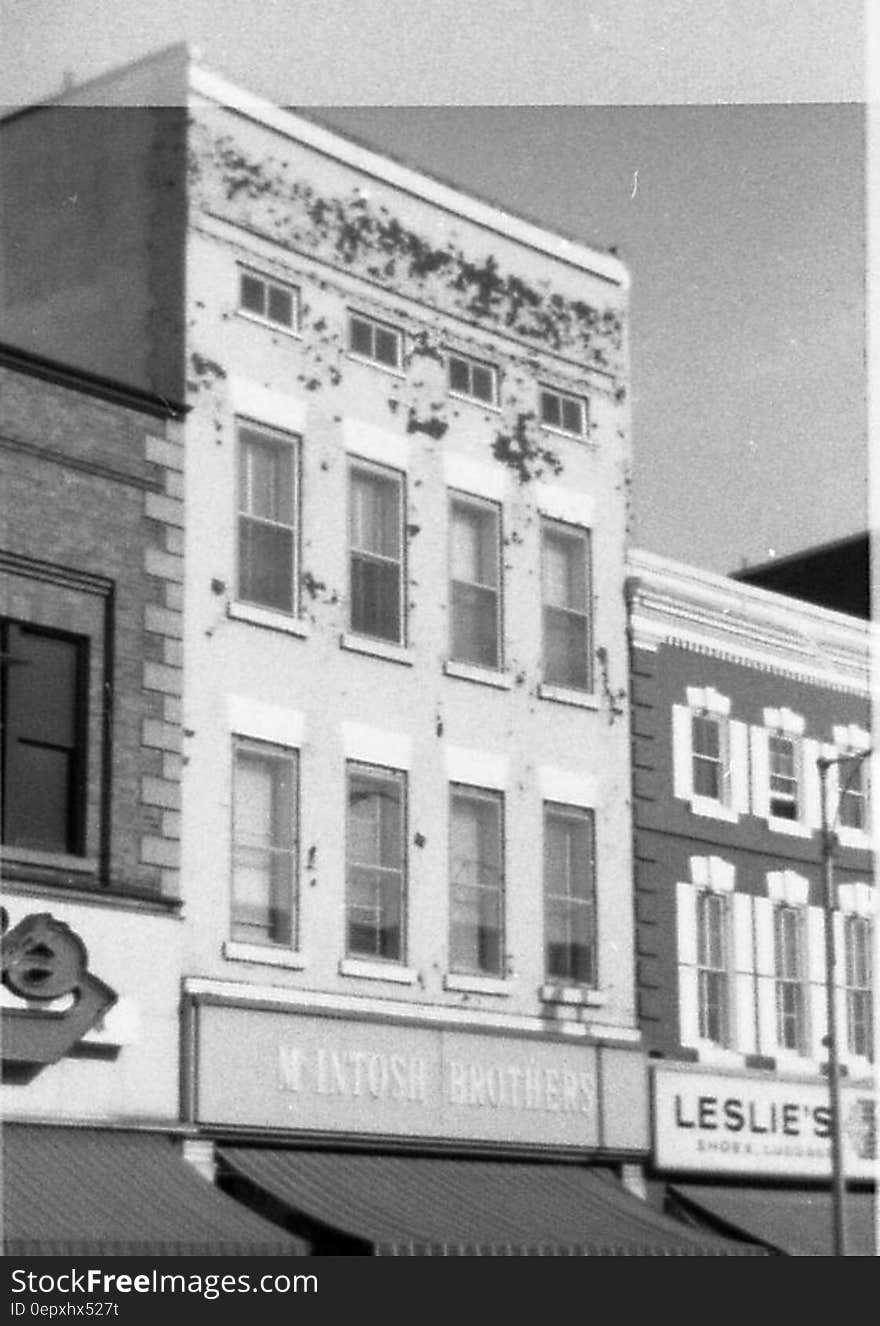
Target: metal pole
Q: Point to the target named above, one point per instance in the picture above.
(837, 1174)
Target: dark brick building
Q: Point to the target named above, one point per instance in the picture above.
(737, 692)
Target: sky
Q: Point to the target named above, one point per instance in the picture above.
(717, 145)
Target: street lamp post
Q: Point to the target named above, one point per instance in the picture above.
(829, 843)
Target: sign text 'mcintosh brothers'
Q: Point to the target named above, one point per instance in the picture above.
(712, 1122)
(466, 1082)
(300, 1071)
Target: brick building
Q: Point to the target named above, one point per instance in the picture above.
(737, 692)
(90, 614)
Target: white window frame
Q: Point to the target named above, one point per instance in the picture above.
(564, 398)
(467, 501)
(706, 702)
(375, 325)
(859, 987)
(469, 363)
(378, 775)
(269, 284)
(786, 724)
(369, 469)
(713, 876)
(268, 753)
(572, 534)
(571, 901)
(786, 912)
(467, 792)
(277, 439)
(852, 741)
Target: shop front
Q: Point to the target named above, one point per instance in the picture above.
(369, 1134)
(749, 1156)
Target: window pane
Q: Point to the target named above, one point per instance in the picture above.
(474, 544)
(483, 385)
(375, 514)
(564, 567)
(476, 885)
(265, 562)
(459, 376)
(572, 416)
(566, 660)
(386, 346)
(374, 848)
(551, 409)
(253, 294)
(266, 477)
(474, 625)
(264, 844)
(281, 305)
(361, 337)
(375, 598)
(44, 733)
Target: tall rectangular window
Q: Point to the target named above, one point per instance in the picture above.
(859, 986)
(854, 794)
(476, 939)
(475, 601)
(264, 843)
(791, 1031)
(375, 525)
(784, 777)
(267, 515)
(709, 737)
(565, 578)
(713, 975)
(570, 894)
(44, 725)
(375, 855)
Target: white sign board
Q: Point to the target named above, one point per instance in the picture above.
(290, 1070)
(718, 1123)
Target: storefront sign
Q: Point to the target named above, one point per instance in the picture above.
(45, 961)
(719, 1123)
(258, 1067)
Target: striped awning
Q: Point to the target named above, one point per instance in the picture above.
(796, 1221)
(104, 1192)
(433, 1206)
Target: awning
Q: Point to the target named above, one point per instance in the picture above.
(424, 1206)
(102, 1192)
(797, 1221)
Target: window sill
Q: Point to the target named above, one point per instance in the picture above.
(272, 620)
(552, 993)
(568, 695)
(502, 681)
(374, 363)
(858, 1067)
(856, 839)
(583, 438)
(363, 644)
(271, 326)
(265, 954)
(488, 985)
(370, 969)
(794, 828)
(84, 866)
(719, 1056)
(713, 810)
(491, 406)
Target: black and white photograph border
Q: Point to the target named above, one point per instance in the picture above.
(436, 637)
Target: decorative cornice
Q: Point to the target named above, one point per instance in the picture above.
(678, 605)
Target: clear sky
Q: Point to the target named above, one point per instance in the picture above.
(742, 223)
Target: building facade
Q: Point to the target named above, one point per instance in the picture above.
(737, 694)
(405, 826)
